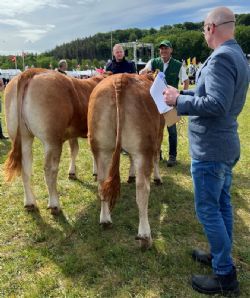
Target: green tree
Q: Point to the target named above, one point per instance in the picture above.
(85, 64)
(243, 19)
(42, 61)
(187, 40)
(132, 36)
(242, 36)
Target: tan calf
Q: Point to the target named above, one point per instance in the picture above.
(53, 108)
(122, 114)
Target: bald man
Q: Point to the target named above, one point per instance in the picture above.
(119, 64)
(213, 108)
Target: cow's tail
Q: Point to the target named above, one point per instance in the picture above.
(13, 164)
(111, 186)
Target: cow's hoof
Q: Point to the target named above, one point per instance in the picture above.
(106, 225)
(72, 176)
(95, 177)
(157, 182)
(145, 242)
(131, 179)
(31, 208)
(54, 210)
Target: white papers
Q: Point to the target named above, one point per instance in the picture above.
(156, 92)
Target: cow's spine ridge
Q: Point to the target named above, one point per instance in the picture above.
(111, 186)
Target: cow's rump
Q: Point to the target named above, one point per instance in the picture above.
(122, 114)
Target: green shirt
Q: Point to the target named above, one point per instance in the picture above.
(172, 71)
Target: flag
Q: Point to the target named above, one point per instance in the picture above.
(188, 61)
(194, 61)
(100, 70)
(13, 58)
(23, 55)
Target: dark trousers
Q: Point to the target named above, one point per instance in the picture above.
(1, 131)
(172, 140)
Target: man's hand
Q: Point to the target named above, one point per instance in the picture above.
(143, 71)
(170, 95)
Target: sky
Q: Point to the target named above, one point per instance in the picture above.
(40, 25)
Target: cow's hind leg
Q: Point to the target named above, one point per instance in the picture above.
(94, 169)
(29, 198)
(103, 161)
(52, 158)
(131, 176)
(143, 166)
(157, 176)
(74, 149)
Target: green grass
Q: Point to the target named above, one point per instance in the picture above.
(71, 256)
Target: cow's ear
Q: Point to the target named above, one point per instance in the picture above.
(150, 76)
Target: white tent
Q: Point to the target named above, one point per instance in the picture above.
(8, 74)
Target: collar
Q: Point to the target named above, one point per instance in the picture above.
(61, 71)
(114, 60)
(230, 41)
(225, 43)
(166, 62)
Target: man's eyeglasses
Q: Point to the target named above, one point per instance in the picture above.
(208, 25)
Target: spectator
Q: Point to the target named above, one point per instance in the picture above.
(191, 73)
(213, 107)
(174, 71)
(119, 64)
(62, 66)
(2, 137)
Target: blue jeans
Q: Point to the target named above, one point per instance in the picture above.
(172, 140)
(212, 182)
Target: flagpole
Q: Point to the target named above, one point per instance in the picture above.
(15, 62)
(23, 59)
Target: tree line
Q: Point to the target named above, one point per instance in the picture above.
(94, 51)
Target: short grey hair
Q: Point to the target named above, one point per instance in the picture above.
(61, 62)
(118, 46)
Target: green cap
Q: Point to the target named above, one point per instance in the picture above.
(166, 43)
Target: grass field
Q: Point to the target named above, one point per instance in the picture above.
(71, 256)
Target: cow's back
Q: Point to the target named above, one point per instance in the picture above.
(48, 106)
(140, 119)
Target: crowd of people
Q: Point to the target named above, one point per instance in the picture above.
(213, 107)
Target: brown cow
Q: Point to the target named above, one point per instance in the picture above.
(122, 114)
(53, 108)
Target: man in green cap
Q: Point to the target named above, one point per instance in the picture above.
(174, 72)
